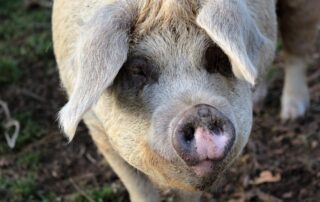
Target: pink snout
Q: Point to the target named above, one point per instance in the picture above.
(202, 138)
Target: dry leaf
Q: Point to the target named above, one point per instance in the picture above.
(267, 176)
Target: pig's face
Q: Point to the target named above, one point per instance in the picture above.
(176, 100)
(179, 113)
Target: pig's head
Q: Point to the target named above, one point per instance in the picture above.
(173, 85)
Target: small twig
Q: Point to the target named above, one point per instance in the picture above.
(5, 109)
(90, 158)
(46, 139)
(266, 197)
(82, 151)
(11, 140)
(8, 124)
(83, 193)
(32, 95)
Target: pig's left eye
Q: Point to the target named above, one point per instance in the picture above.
(134, 75)
(217, 62)
(137, 72)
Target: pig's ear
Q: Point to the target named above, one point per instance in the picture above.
(100, 52)
(231, 27)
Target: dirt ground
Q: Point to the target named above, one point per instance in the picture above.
(281, 162)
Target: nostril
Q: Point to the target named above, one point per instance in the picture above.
(188, 133)
(216, 127)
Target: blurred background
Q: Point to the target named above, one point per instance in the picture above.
(280, 163)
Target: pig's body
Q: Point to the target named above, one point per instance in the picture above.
(153, 70)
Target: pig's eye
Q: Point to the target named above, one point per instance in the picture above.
(137, 72)
(134, 75)
(217, 62)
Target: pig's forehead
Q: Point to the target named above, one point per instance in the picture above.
(168, 47)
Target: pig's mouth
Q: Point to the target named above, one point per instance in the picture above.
(206, 174)
(204, 168)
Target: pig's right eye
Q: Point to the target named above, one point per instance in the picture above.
(217, 62)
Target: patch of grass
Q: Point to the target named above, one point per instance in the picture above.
(29, 160)
(8, 6)
(99, 195)
(104, 194)
(40, 43)
(23, 189)
(47, 197)
(25, 40)
(30, 129)
(25, 46)
(4, 148)
(18, 190)
(9, 71)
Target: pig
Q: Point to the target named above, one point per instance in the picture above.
(166, 87)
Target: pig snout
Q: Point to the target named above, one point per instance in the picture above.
(202, 137)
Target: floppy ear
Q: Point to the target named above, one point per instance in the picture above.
(100, 52)
(230, 26)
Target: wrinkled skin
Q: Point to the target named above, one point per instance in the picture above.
(133, 78)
